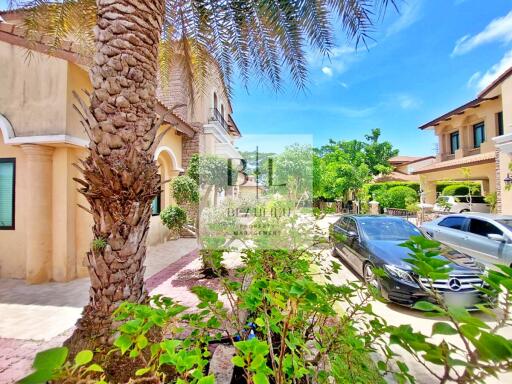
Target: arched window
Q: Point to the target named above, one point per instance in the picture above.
(214, 100)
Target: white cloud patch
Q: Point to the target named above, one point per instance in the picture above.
(480, 81)
(498, 30)
(339, 60)
(407, 101)
(327, 71)
(409, 14)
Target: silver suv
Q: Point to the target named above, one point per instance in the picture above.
(486, 237)
(459, 204)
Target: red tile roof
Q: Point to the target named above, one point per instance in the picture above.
(482, 158)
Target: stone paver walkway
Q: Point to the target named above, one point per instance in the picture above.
(37, 317)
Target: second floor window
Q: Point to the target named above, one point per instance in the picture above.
(454, 142)
(500, 123)
(478, 135)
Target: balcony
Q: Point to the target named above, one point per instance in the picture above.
(215, 115)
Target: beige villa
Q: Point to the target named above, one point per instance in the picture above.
(476, 136)
(404, 167)
(44, 234)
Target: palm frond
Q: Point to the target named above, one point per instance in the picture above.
(265, 38)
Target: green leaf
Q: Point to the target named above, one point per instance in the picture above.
(238, 361)
(83, 357)
(38, 377)
(259, 322)
(123, 342)
(142, 371)
(425, 306)
(142, 341)
(260, 378)
(206, 380)
(134, 353)
(94, 368)
(443, 329)
(50, 359)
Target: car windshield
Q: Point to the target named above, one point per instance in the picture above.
(506, 222)
(388, 229)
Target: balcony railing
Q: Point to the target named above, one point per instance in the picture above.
(215, 115)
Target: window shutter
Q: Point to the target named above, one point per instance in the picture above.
(6, 193)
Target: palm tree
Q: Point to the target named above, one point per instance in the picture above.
(131, 40)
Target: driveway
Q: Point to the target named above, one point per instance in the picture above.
(397, 315)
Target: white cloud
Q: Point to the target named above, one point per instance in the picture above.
(498, 30)
(327, 71)
(343, 84)
(407, 101)
(410, 13)
(480, 81)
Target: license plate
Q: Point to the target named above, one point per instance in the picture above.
(461, 299)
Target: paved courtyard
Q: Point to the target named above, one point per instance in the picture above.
(37, 317)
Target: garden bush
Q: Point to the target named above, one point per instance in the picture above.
(460, 189)
(173, 218)
(378, 188)
(185, 190)
(397, 197)
(440, 185)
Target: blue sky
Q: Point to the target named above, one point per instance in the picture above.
(432, 57)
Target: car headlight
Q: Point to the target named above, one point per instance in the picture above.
(398, 273)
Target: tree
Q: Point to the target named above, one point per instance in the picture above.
(377, 154)
(131, 38)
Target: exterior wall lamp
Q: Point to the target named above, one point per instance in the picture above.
(508, 180)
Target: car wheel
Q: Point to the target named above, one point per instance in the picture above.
(369, 276)
(464, 211)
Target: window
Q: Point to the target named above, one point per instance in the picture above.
(500, 123)
(478, 134)
(453, 222)
(215, 100)
(454, 142)
(7, 185)
(156, 205)
(351, 226)
(483, 228)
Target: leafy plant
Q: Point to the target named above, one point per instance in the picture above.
(460, 189)
(492, 200)
(397, 197)
(52, 364)
(185, 190)
(173, 217)
(98, 244)
(481, 351)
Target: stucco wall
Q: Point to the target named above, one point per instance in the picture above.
(77, 80)
(486, 173)
(486, 112)
(33, 92)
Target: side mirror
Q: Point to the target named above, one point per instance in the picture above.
(496, 237)
(352, 235)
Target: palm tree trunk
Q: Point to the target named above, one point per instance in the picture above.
(120, 178)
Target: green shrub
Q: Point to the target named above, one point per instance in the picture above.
(378, 188)
(492, 200)
(460, 189)
(185, 190)
(173, 217)
(441, 185)
(398, 197)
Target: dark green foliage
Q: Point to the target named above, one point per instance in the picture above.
(441, 185)
(460, 189)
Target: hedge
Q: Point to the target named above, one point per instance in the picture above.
(441, 185)
(459, 189)
(378, 187)
(397, 197)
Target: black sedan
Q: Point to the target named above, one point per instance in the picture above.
(369, 242)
